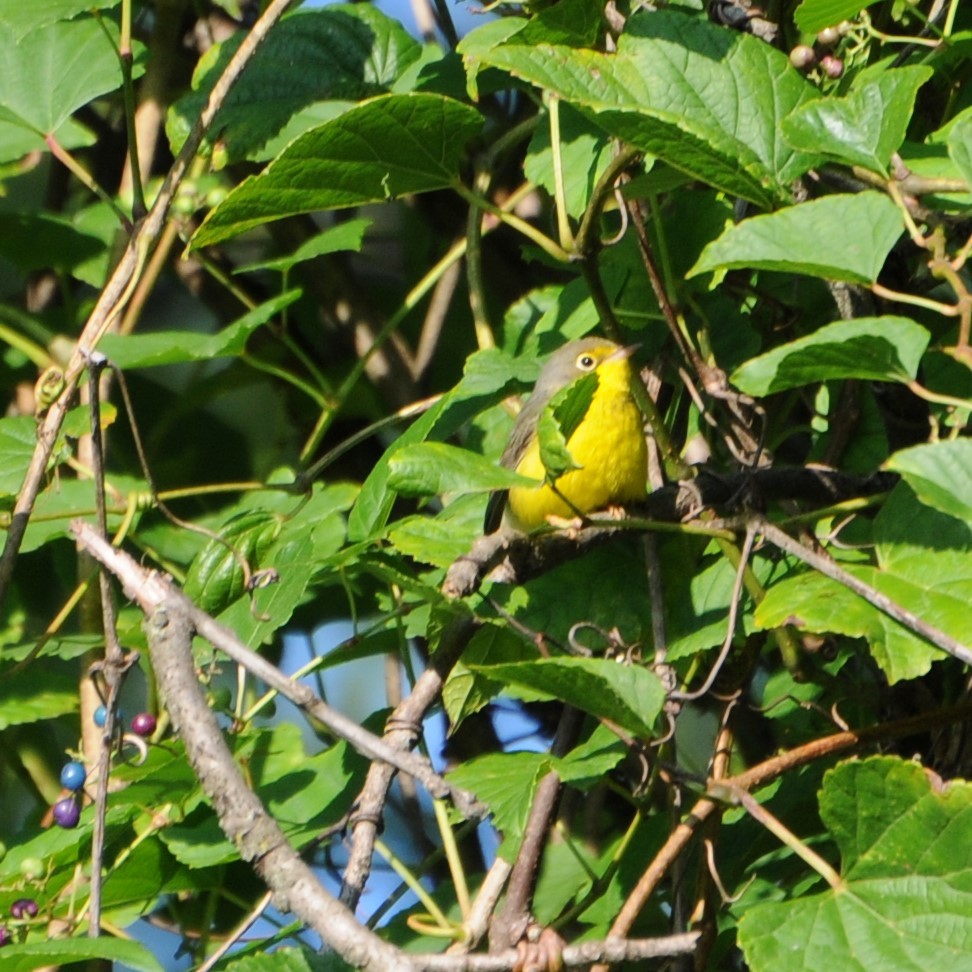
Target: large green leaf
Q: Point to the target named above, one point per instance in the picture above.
(628, 695)
(924, 564)
(431, 468)
(940, 473)
(844, 237)
(870, 348)
(381, 149)
(344, 52)
(866, 126)
(506, 783)
(708, 101)
(22, 17)
(904, 900)
(38, 692)
(42, 241)
(813, 15)
(173, 347)
(59, 953)
(50, 72)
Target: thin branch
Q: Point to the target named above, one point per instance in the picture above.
(760, 775)
(882, 602)
(401, 732)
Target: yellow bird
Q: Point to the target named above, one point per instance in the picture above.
(608, 443)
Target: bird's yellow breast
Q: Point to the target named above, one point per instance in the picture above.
(608, 445)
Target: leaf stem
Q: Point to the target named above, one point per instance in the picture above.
(779, 830)
(546, 244)
(81, 174)
(560, 194)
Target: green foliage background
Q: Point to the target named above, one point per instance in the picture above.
(373, 220)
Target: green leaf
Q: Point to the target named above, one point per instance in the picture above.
(300, 550)
(215, 576)
(842, 237)
(335, 239)
(960, 146)
(379, 150)
(288, 960)
(431, 468)
(34, 955)
(38, 241)
(706, 100)
(38, 692)
(903, 900)
(924, 565)
(559, 420)
(870, 348)
(867, 126)
(430, 541)
(506, 783)
(22, 18)
(305, 794)
(940, 474)
(813, 15)
(373, 506)
(50, 72)
(18, 439)
(629, 695)
(347, 52)
(175, 347)
(588, 763)
(467, 691)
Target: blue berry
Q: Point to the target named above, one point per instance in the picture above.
(101, 716)
(73, 776)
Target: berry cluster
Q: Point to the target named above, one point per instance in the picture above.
(67, 811)
(23, 909)
(804, 57)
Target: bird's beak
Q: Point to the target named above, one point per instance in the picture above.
(622, 353)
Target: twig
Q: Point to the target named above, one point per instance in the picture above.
(882, 602)
(401, 731)
(242, 816)
(611, 951)
(520, 557)
(760, 775)
(119, 288)
(511, 923)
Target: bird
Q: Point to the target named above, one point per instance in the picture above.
(608, 444)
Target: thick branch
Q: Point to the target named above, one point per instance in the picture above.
(255, 834)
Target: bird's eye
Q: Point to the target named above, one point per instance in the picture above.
(586, 362)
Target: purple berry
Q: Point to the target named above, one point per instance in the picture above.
(4, 935)
(832, 66)
(24, 908)
(73, 776)
(67, 813)
(144, 724)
